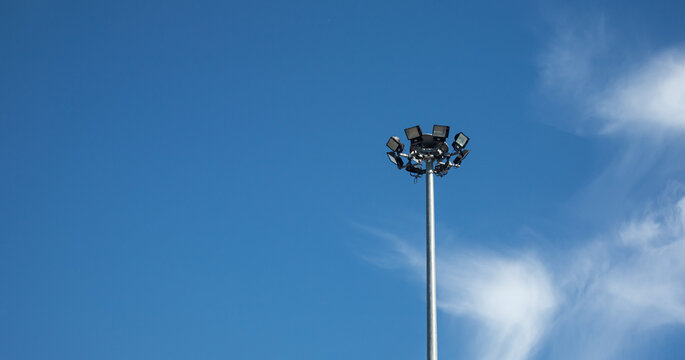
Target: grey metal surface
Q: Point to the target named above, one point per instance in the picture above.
(430, 265)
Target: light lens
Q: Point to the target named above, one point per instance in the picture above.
(392, 158)
(441, 131)
(413, 132)
(395, 159)
(461, 140)
(394, 144)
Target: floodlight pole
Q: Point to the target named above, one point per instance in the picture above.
(431, 151)
(430, 264)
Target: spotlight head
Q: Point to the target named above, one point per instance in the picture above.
(413, 134)
(460, 157)
(415, 169)
(395, 159)
(460, 140)
(394, 144)
(441, 132)
(442, 168)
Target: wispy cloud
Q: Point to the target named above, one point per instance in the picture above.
(649, 97)
(582, 64)
(632, 281)
(628, 281)
(634, 98)
(569, 65)
(511, 298)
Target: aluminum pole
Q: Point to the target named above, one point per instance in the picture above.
(430, 265)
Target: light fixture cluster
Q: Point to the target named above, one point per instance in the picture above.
(428, 147)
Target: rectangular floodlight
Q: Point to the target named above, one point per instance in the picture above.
(441, 132)
(461, 156)
(395, 159)
(461, 140)
(394, 144)
(413, 133)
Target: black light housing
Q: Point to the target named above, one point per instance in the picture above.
(395, 159)
(394, 144)
(460, 140)
(441, 168)
(441, 132)
(415, 169)
(461, 156)
(413, 133)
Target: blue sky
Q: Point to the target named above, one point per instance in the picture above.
(208, 180)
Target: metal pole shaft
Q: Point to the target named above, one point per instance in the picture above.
(430, 265)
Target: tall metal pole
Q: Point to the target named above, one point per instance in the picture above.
(430, 264)
(429, 149)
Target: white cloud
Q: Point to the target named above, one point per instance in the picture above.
(511, 298)
(569, 64)
(609, 86)
(652, 96)
(630, 282)
(581, 66)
